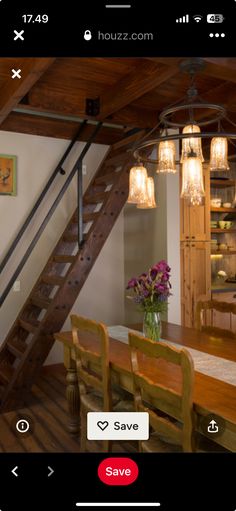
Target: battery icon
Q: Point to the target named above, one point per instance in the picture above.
(215, 18)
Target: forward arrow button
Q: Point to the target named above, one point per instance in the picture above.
(51, 471)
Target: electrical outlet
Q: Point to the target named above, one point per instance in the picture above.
(16, 286)
(84, 169)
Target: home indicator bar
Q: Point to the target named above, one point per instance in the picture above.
(118, 504)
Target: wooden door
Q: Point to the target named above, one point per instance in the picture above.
(200, 269)
(223, 320)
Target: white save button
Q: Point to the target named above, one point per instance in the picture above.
(117, 426)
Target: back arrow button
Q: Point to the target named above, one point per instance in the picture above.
(51, 471)
(14, 471)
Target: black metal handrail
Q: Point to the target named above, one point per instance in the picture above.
(57, 170)
(75, 168)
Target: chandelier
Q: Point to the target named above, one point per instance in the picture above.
(187, 117)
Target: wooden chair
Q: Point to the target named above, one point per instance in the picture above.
(95, 384)
(172, 418)
(205, 318)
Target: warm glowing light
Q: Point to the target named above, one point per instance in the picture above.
(192, 180)
(151, 202)
(166, 156)
(191, 144)
(219, 154)
(137, 185)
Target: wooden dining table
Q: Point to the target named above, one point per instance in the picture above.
(211, 395)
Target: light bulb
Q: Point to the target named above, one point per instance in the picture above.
(219, 154)
(137, 184)
(150, 202)
(166, 156)
(192, 180)
(191, 144)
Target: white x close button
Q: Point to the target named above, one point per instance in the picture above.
(19, 35)
(16, 73)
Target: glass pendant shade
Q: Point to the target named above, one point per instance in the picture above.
(219, 154)
(191, 144)
(137, 185)
(150, 202)
(192, 180)
(166, 156)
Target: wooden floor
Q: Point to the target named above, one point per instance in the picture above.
(48, 411)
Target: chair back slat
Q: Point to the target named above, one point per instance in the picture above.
(98, 379)
(154, 397)
(205, 310)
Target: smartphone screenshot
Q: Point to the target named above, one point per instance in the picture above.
(118, 255)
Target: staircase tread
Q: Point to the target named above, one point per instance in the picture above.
(107, 178)
(6, 372)
(73, 238)
(16, 347)
(118, 158)
(53, 279)
(29, 326)
(95, 198)
(63, 258)
(89, 217)
(68, 236)
(41, 301)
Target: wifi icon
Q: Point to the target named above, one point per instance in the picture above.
(197, 18)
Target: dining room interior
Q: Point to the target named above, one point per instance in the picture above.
(118, 252)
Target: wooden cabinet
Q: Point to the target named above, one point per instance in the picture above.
(195, 220)
(223, 320)
(195, 278)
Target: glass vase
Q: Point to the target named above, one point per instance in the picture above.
(152, 325)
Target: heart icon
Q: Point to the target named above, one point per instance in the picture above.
(102, 425)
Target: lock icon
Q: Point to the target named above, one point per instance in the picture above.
(87, 35)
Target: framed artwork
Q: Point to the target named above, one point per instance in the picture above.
(7, 174)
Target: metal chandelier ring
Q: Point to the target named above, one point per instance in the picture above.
(177, 136)
(220, 113)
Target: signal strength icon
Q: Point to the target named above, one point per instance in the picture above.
(184, 19)
(197, 17)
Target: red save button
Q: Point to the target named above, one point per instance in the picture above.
(118, 471)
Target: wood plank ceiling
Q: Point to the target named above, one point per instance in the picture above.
(50, 98)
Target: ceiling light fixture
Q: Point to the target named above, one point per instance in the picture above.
(188, 115)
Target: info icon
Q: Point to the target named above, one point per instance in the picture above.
(22, 425)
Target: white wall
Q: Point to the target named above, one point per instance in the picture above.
(152, 235)
(145, 241)
(36, 159)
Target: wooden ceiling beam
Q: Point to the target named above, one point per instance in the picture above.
(145, 77)
(221, 68)
(13, 90)
(48, 127)
(128, 116)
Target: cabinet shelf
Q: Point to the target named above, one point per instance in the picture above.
(223, 252)
(223, 230)
(223, 210)
(218, 183)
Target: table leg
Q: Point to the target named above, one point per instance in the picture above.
(72, 395)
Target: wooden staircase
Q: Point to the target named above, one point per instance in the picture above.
(31, 337)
